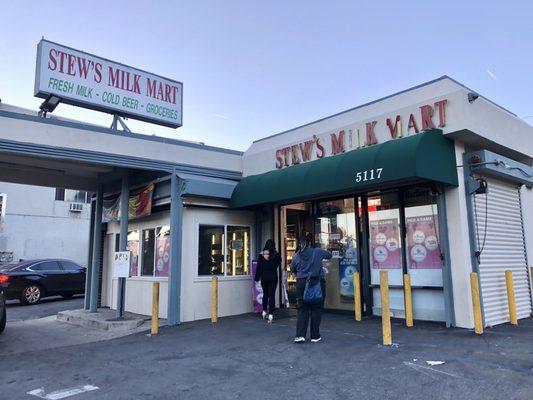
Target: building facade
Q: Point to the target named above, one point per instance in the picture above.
(43, 222)
(433, 182)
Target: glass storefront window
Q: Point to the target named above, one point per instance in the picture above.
(211, 250)
(162, 251)
(422, 237)
(238, 251)
(148, 253)
(384, 241)
(335, 230)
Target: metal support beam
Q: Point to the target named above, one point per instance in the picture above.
(89, 270)
(97, 244)
(124, 211)
(449, 308)
(174, 276)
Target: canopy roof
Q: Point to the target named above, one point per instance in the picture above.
(427, 156)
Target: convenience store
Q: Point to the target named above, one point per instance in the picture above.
(395, 185)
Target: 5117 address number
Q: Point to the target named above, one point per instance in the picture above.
(368, 175)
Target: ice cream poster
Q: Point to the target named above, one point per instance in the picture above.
(385, 244)
(257, 291)
(423, 250)
(162, 258)
(347, 267)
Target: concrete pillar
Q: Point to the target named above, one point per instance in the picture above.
(88, 273)
(124, 219)
(97, 244)
(174, 276)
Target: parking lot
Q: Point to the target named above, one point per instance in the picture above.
(245, 358)
(47, 307)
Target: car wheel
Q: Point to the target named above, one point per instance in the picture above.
(31, 294)
(67, 295)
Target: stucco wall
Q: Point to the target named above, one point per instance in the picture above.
(38, 226)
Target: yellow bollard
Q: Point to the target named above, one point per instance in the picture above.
(385, 307)
(214, 300)
(478, 323)
(408, 300)
(513, 319)
(357, 295)
(155, 308)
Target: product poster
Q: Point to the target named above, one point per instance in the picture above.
(257, 291)
(133, 246)
(385, 250)
(423, 251)
(162, 256)
(347, 267)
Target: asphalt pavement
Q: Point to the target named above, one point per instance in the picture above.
(45, 308)
(245, 358)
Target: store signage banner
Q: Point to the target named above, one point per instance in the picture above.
(162, 255)
(85, 80)
(423, 251)
(121, 264)
(385, 244)
(140, 205)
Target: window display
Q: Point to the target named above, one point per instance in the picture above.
(148, 252)
(133, 246)
(238, 251)
(162, 251)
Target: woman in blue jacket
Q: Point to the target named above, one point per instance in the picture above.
(268, 264)
(307, 262)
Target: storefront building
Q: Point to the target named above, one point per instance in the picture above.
(398, 185)
(434, 182)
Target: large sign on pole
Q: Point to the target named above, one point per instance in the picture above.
(121, 264)
(89, 81)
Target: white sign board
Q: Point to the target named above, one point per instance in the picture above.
(121, 264)
(85, 80)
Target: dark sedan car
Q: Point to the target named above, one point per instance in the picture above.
(29, 281)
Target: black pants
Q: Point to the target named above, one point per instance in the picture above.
(269, 296)
(306, 311)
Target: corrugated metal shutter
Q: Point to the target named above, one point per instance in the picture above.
(504, 249)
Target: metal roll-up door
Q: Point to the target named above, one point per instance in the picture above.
(500, 237)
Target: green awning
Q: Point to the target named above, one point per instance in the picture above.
(427, 156)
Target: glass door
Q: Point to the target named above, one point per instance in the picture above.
(335, 231)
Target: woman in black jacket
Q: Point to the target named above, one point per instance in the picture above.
(268, 265)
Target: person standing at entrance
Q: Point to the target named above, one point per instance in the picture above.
(268, 264)
(307, 265)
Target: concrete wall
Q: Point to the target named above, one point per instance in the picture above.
(235, 296)
(38, 226)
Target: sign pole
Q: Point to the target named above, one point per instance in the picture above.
(123, 245)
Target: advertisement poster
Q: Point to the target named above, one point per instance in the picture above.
(347, 267)
(140, 205)
(162, 256)
(257, 291)
(385, 244)
(133, 246)
(423, 250)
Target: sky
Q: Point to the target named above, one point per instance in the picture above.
(251, 69)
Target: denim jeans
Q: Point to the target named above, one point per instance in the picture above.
(308, 311)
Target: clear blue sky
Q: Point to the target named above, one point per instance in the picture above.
(251, 69)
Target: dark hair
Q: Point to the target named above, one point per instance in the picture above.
(270, 245)
(304, 242)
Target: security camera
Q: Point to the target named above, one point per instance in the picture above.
(472, 97)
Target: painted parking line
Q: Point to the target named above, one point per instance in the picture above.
(62, 394)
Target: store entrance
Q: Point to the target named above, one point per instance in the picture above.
(395, 230)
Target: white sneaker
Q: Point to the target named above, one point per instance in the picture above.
(264, 314)
(316, 340)
(299, 339)
(270, 318)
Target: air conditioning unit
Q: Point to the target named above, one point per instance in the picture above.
(76, 207)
